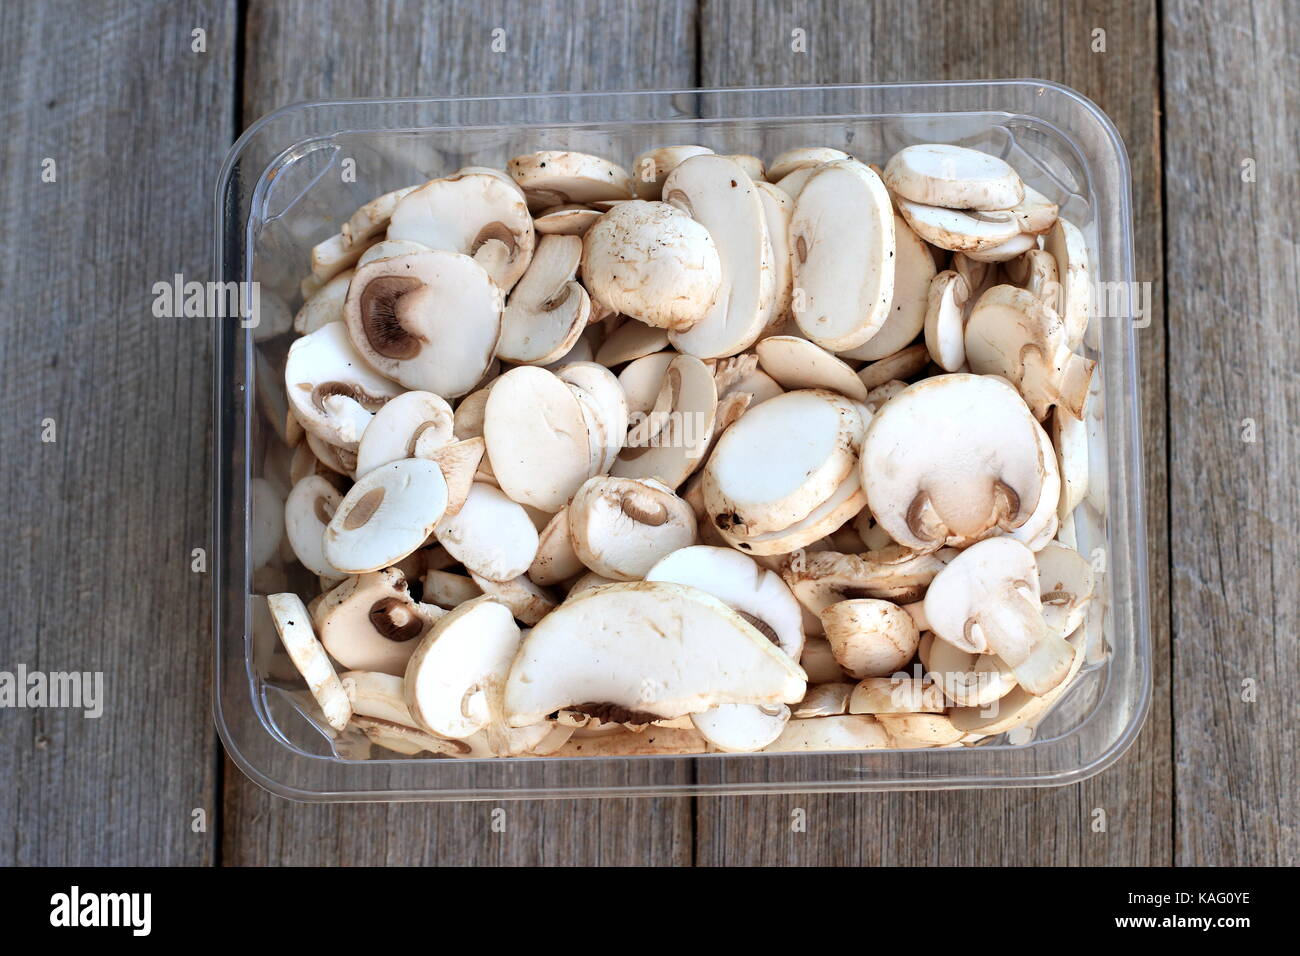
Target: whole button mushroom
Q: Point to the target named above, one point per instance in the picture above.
(652, 262)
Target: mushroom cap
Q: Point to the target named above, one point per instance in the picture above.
(913, 270)
(414, 424)
(653, 262)
(460, 666)
(743, 585)
(293, 624)
(950, 459)
(938, 174)
(869, 637)
(308, 509)
(332, 390)
(430, 320)
(717, 194)
(781, 460)
(552, 176)
(566, 219)
(385, 516)
(537, 438)
(475, 214)
(619, 527)
(959, 230)
(547, 310)
(491, 535)
(842, 239)
(646, 648)
(371, 623)
(652, 167)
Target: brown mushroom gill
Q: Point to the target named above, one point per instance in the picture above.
(614, 713)
(499, 232)
(364, 509)
(394, 619)
(642, 509)
(380, 307)
(359, 395)
(761, 626)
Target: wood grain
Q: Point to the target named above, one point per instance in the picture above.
(445, 49)
(1231, 98)
(746, 42)
(101, 521)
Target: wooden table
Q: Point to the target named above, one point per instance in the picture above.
(98, 526)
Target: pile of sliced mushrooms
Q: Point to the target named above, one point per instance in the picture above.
(709, 456)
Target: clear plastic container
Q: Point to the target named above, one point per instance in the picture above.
(283, 188)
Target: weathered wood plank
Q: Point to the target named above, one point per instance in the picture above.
(307, 50)
(747, 43)
(1232, 115)
(101, 521)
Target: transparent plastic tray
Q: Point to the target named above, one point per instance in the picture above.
(283, 188)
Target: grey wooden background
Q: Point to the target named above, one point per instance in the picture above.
(98, 526)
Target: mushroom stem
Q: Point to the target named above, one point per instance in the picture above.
(1011, 627)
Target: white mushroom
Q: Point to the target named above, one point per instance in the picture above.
(390, 249)
(660, 740)
(370, 622)
(1016, 246)
(1066, 244)
(741, 728)
(632, 341)
(938, 174)
(652, 167)
(310, 506)
(372, 218)
(913, 271)
(412, 425)
(293, 624)
(1019, 707)
(548, 309)
(802, 157)
(778, 208)
(796, 363)
(1036, 212)
(823, 700)
(325, 306)
(1070, 441)
(447, 590)
(1066, 583)
(491, 535)
(903, 364)
(869, 637)
(919, 730)
(385, 516)
(526, 601)
(556, 560)
(332, 391)
(550, 177)
(960, 230)
(670, 441)
(842, 240)
(620, 527)
(604, 408)
(566, 219)
(459, 462)
(896, 695)
(849, 732)
(966, 678)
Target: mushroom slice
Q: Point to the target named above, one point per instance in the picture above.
(796, 363)
(385, 516)
(913, 271)
(547, 310)
(459, 462)
(447, 590)
(598, 385)
(588, 581)
(966, 678)
(820, 579)
(333, 458)
(549, 177)
(987, 600)
(468, 421)
(846, 501)
(491, 535)
(869, 637)
(1036, 271)
(460, 666)
(329, 258)
(537, 438)
(379, 711)
(780, 461)
(671, 441)
(842, 240)
(293, 624)
(849, 732)
(474, 214)
(801, 157)
(756, 594)
(632, 341)
(952, 459)
(619, 527)
(792, 184)
(818, 661)
(389, 249)
(1036, 212)
(752, 165)
(945, 320)
(778, 208)
(1066, 244)
(1041, 526)
(645, 650)
(556, 560)
(717, 194)
(919, 730)
(896, 695)
(430, 320)
(412, 425)
(652, 167)
(332, 391)
(324, 306)
(1066, 583)
(938, 174)
(566, 219)
(526, 601)
(372, 218)
(657, 740)
(1019, 707)
(1011, 333)
(1070, 441)
(824, 700)
(1005, 251)
(308, 509)
(903, 364)
(741, 728)
(653, 262)
(959, 230)
(371, 623)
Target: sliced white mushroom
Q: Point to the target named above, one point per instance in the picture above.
(379, 711)
(389, 249)
(849, 732)
(310, 506)
(670, 441)
(966, 678)
(385, 516)
(741, 728)
(919, 730)
(1066, 244)
(1019, 707)
(447, 590)
(430, 321)
(329, 258)
(913, 271)
(796, 363)
(1036, 271)
(1041, 525)
(332, 391)
(526, 601)
(414, 424)
(792, 184)
(938, 174)
(475, 214)
(459, 462)
(1036, 212)
(869, 637)
(372, 218)
(325, 306)
(537, 438)
(752, 165)
(1017, 245)
(620, 527)
(1066, 585)
(491, 535)
(1070, 441)
(660, 740)
(896, 695)
(1011, 333)
(802, 157)
(293, 624)
(823, 700)
(842, 241)
(652, 167)
(632, 341)
(718, 195)
(601, 392)
(950, 459)
(547, 310)
(960, 230)
(778, 208)
(903, 364)
(945, 320)
(566, 219)
(549, 177)
(556, 560)
(646, 650)
(370, 622)
(844, 502)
